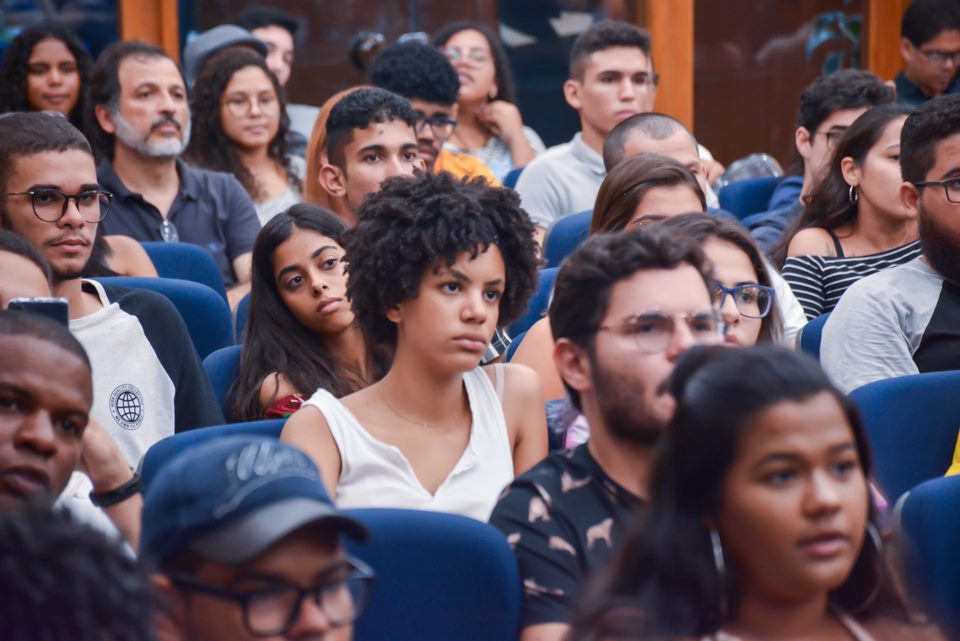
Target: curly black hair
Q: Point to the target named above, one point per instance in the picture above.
(13, 73)
(63, 580)
(416, 72)
(414, 223)
(358, 110)
(209, 146)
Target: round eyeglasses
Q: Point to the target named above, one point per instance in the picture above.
(651, 332)
(752, 301)
(50, 205)
(271, 610)
(241, 106)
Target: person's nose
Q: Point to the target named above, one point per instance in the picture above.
(72, 217)
(255, 110)
(681, 340)
(823, 495)
(627, 90)
(54, 77)
(311, 621)
(36, 433)
(729, 311)
(396, 167)
(475, 308)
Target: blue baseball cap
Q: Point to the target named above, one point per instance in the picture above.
(231, 499)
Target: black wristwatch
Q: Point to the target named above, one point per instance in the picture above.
(118, 495)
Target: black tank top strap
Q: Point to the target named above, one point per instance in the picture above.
(836, 243)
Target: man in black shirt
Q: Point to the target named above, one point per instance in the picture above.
(625, 307)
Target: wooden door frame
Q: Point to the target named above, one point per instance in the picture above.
(153, 21)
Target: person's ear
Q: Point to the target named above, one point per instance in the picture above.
(169, 618)
(105, 119)
(906, 50)
(803, 140)
(333, 181)
(850, 172)
(454, 111)
(394, 314)
(572, 90)
(910, 197)
(573, 365)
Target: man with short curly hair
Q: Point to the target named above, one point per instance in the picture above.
(425, 77)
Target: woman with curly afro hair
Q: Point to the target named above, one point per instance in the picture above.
(46, 68)
(240, 125)
(434, 265)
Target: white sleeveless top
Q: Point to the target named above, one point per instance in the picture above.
(855, 629)
(374, 474)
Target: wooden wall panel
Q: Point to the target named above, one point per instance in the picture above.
(881, 36)
(670, 23)
(153, 21)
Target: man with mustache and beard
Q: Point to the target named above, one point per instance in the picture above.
(140, 124)
(625, 307)
(906, 320)
(147, 377)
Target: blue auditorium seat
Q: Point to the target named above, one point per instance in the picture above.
(564, 236)
(538, 302)
(221, 367)
(186, 262)
(749, 196)
(811, 334)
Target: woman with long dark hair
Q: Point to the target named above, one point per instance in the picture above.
(854, 223)
(240, 125)
(761, 524)
(489, 124)
(46, 68)
(301, 335)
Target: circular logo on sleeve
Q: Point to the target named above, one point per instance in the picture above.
(126, 407)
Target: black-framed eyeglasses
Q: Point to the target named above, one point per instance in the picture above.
(951, 187)
(271, 610)
(651, 332)
(752, 301)
(441, 126)
(941, 57)
(50, 205)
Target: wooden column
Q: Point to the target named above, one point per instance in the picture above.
(670, 23)
(881, 36)
(153, 21)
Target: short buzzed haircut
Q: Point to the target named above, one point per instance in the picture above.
(845, 89)
(358, 110)
(12, 243)
(929, 124)
(417, 72)
(17, 323)
(924, 20)
(604, 35)
(36, 132)
(655, 126)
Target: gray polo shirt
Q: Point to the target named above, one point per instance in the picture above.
(211, 210)
(561, 181)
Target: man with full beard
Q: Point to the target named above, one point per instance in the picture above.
(625, 307)
(906, 320)
(140, 124)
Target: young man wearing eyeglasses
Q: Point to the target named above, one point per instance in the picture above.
(625, 307)
(140, 125)
(930, 49)
(147, 377)
(425, 77)
(611, 79)
(906, 319)
(245, 544)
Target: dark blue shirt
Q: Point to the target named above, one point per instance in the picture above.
(211, 210)
(766, 228)
(910, 94)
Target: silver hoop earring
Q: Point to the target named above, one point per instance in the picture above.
(852, 195)
(721, 566)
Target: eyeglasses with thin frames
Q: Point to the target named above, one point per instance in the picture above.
(271, 610)
(50, 205)
(652, 332)
(951, 187)
(478, 56)
(241, 106)
(941, 58)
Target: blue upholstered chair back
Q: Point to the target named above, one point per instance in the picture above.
(439, 576)
(538, 302)
(929, 519)
(221, 368)
(203, 310)
(186, 262)
(566, 235)
(750, 196)
(164, 451)
(243, 312)
(811, 334)
(912, 424)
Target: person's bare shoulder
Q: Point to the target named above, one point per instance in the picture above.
(129, 257)
(813, 241)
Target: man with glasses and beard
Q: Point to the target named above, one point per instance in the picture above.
(140, 124)
(625, 307)
(906, 320)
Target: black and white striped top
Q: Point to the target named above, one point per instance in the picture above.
(819, 281)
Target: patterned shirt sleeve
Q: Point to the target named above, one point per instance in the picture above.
(545, 546)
